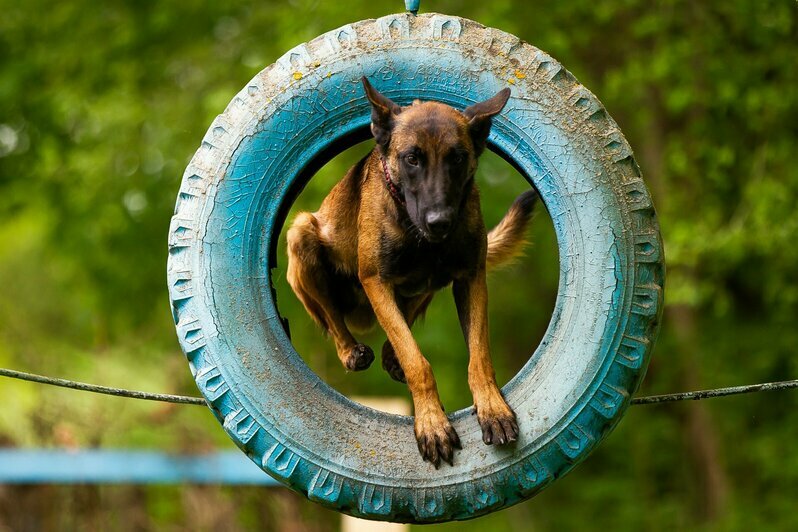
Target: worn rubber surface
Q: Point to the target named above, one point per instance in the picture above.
(308, 106)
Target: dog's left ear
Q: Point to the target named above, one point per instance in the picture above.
(479, 117)
(383, 111)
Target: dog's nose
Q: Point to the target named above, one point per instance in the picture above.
(439, 222)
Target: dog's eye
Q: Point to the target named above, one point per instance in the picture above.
(411, 159)
(459, 158)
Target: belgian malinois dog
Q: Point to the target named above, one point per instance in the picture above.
(403, 223)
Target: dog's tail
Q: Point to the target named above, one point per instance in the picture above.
(506, 241)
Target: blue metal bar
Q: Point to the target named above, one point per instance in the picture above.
(59, 466)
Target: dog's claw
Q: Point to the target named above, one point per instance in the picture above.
(438, 443)
(360, 357)
(446, 453)
(499, 430)
(510, 429)
(453, 437)
(487, 436)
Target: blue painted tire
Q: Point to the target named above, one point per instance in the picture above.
(294, 116)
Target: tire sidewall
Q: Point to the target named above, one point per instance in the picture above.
(221, 241)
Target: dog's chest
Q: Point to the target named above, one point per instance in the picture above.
(415, 268)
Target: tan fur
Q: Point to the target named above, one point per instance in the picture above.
(506, 241)
(337, 267)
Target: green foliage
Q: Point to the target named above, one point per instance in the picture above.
(102, 105)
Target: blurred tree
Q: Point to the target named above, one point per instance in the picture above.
(102, 105)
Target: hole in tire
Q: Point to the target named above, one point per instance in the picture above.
(521, 296)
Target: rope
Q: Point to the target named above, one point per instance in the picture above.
(717, 392)
(184, 399)
(107, 390)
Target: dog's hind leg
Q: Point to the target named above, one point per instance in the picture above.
(311, 281)
(411, 309)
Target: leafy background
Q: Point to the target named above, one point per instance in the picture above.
(102, 105)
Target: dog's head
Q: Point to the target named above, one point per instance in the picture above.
(431, 150)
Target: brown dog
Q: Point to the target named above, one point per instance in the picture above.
(403, 223)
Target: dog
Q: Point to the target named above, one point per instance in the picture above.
(403, 223)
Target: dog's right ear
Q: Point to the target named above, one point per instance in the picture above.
(383, 111)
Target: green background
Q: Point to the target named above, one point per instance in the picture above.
(103, 103)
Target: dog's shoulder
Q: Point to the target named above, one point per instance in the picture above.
(338, 218)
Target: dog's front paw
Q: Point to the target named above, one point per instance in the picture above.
(391, 364)
(360, 357)
(436, 438)
(498, 425)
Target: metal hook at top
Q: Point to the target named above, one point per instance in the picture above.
(412, 6)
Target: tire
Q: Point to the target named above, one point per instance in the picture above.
(298, 113)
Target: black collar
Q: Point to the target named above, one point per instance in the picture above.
(396, 193)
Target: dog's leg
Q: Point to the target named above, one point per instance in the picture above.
(411, 310)
(495, 417)
(310, 281)
(435, 436)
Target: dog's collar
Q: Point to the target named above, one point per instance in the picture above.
(396, 194)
